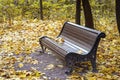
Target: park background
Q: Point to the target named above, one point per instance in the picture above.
(23, 22)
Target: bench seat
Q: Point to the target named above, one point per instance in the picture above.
(64, 48)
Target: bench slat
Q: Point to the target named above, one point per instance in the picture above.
(63, 48)
(82, 45)
(53, 46)
(79, 36)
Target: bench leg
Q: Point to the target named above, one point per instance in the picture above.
(42, 47)
(68, 71)
(70, 67)
(93, 62)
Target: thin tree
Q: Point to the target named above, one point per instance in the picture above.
(26, 2)
(16, 2)
(78, 12)
(41, 10)
(118, 14)
(88, 14)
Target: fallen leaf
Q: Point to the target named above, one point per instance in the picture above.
(20, 65)
(48, 67)
(60, 66)
(80, 52)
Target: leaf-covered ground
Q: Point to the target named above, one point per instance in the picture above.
(22, 38)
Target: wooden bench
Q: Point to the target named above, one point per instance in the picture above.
(80, 44)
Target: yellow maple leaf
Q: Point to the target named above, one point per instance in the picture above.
(91, 78)
(50, 66)
(20, 65)
(79, 51)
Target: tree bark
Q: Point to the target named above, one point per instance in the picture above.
(16, 2)
(41, 10)
(118, 14)
(78, 12)
(26, 2)
(88, 14)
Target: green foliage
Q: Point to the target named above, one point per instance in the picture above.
(103, 9)
(53, 9)
(58, 9)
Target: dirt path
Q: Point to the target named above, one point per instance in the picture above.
(48, 64)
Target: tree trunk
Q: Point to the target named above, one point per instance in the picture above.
(118, 14)
(88, 14)
(16, 2)
(78, 12)
(26, 2)
(9, 20)
(41, 10)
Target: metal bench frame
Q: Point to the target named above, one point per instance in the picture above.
(82, 37)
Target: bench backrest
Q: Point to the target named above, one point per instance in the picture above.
(81, 36)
